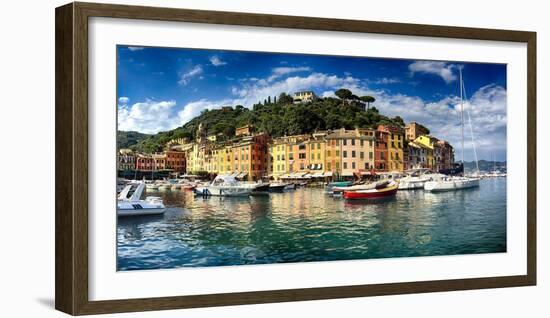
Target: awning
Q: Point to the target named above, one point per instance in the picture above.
(317, 175)
(347, 174)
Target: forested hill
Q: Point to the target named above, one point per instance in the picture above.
(278, 118)
(126, 139)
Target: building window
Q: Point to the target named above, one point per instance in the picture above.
(345, 165)
(337, 165)
(302, 156)
(366, 165)
(319, 156)
(361, 155)
(353, 142)
(353, 165)
(337, 153)
(301, 166)
(345, 154)
(362, 142)
(345, 141)
(353, 153)
(328, 153)
(318, 145)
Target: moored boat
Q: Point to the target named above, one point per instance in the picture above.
(416, 178)
(277, 187)
(225, 186)
(381, 190)
(451, 183)
(134, 206)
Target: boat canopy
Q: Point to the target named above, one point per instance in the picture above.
(225, 179)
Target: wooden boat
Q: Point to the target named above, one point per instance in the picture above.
(383, 190)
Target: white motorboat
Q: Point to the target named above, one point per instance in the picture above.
(225, 186)
(451, 183)
(151, 185)
(459, 182)
(416, 178)
(134, 206)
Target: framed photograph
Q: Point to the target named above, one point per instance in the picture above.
(211, 158)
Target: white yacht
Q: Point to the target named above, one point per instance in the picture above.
(459, 182)
(225, 186)
(447, 183)
(416, 178)
(133, 205)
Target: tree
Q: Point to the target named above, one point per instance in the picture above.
(368, 99)
(398, 120)
(343, 94)
(284, 98)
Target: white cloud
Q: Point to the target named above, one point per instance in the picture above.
(148, 117)
(135, 48)
(385, 81)
(442, 69)
(277, 72)
(487, 108)
(186, 77)
(217, 61)
(250, 94)
(123, 100)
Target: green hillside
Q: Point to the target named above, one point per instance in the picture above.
(127, 139)
(277, 118)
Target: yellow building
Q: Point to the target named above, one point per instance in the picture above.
(429, 143)
(288, 155)
(304, 97)
(316, 151)
(396, 141)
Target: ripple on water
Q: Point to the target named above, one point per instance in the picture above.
(308, 225)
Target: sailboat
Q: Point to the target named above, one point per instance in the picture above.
(449, 183)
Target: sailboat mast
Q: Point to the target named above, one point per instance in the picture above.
(461, 119)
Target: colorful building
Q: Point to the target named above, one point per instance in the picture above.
(350, 152)
(430, 143)
(316, 147)
(381, 150)
(395, 145)
(413, 130)
(304, 97)
(126, 160)
(175, 161)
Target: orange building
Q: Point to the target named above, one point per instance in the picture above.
(381, 150)
(249, 157)
(175, 160)
(349, 152)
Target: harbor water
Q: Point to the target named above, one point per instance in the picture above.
(306, 225)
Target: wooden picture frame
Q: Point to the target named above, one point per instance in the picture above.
(71, 122)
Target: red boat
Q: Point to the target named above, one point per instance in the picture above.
(388, 190)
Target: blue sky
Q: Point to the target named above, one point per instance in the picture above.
(163, 88)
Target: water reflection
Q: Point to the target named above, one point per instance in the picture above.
(308, 225)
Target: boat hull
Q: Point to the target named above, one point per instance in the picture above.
(370, 194)
(223, 192)
(411, 185)
(140, 212)
(451, 185)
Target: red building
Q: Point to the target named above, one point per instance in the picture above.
(175, 160)
(381, 150)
